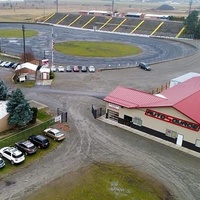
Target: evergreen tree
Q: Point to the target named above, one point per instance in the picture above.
(35, 112)
(192, 23)
(19, 109)
(3, 90)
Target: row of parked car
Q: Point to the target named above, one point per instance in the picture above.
(74, 68)
(16, 154)
(9, 64)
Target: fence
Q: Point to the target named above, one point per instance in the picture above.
(22, 135)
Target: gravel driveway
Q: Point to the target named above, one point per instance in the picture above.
(92, 140)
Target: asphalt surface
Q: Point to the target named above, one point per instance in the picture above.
(91, 140)
(154, 49)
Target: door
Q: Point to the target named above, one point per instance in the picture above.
(127, 120)
(45, 76)
(179, 140)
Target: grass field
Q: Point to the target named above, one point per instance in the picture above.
(96, 49)
(102, 182)
(16, 33)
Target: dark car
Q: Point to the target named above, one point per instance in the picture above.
(68, 68)
(144, 66)
(26, 147)
(83, 68)
(39, 140)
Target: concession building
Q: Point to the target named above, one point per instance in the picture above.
(173, 114)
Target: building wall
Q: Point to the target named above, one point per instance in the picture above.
(159, 125)
(31, 73)
(4, 124)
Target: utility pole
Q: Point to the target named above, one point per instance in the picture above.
(44, 55)
(56, 6)
(190, 7)
(24, 45)
(113, 3)
(52, 47)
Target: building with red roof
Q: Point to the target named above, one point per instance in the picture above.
(172, 115)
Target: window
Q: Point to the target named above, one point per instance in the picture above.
(171, 133)
(137, 121)
(197, 144)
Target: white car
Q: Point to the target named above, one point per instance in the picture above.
(12, 154)
(53, 68)
(54, 133)
(61, 69)
(91, 69)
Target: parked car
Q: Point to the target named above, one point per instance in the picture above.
(53, 68)
(8, 64)
(26, 147)
(68, 68)
(3, 63)
(39, 140)
(83, 68)
(14, 66)
(76, 68)
(54, 133)
(12, 154)
(2, 163)
(144, 66)
(61, 69)
(91, 69)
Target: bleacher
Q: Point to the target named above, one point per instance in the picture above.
(55, 18)
(169, 29)
(147, 27)
(68, 21)
(112, 24)
(118, 24)
(98, 22)
(82, 21)
(129, 25)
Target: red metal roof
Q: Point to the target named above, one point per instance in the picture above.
(131, 98)
(184, 97)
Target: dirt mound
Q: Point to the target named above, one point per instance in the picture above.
(165, 7)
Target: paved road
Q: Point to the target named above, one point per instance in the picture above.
(92, 140)
(154, 50)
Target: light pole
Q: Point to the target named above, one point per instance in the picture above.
(24, 45)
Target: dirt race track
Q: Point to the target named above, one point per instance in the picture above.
(91, 140)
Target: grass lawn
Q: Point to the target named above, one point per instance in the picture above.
(17, 33)
(43, 115)
(103, 182)
(97, 49)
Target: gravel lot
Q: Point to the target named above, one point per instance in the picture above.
(92, 140)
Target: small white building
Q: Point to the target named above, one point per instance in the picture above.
(182, 78)
(27, 68)
(45, 73)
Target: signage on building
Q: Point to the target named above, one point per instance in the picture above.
(113, 106)
(57, 118)
(172, 120)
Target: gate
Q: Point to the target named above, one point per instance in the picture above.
(96, 111)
